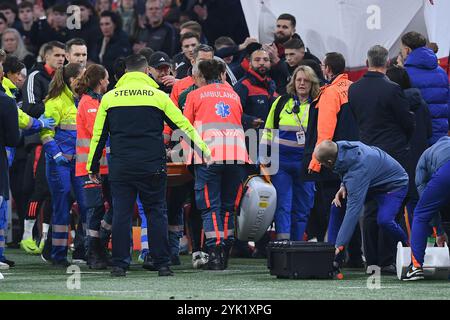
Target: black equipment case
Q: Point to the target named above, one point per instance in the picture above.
(300, 260)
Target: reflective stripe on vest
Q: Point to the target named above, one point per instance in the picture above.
(71, 127)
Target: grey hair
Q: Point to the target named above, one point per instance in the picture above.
(21, 51)
(377, 56)
(160, 2)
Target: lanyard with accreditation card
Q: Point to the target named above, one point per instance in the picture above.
(301, 135)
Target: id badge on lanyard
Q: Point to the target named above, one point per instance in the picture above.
(301, 137)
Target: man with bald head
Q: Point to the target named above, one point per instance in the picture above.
(365, 171)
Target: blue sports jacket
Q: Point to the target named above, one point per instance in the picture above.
(426, 75)
(364, 168)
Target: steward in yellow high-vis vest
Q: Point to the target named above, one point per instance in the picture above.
(132, 115)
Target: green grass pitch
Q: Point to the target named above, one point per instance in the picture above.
(245, 279)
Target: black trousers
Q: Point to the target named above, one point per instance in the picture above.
(16, 178)
(152, 193)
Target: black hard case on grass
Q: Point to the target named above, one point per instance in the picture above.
(300, 260)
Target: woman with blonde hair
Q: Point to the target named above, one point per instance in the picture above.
(59, 145)
(285, 132)
(13, 44)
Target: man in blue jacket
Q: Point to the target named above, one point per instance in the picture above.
(365, 172)
(426, 75)
(433, 183)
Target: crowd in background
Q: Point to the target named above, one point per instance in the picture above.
(281, 85)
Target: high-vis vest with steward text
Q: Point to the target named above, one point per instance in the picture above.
(132, 115)
(62, 140)
(87, 111)
(215, 111)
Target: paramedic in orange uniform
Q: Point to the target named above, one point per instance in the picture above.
(215, 111)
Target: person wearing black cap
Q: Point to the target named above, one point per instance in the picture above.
(160, 67)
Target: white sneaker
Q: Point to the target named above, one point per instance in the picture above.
(4, 266)
(199, 258)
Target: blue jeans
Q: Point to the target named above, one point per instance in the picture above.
(295, 198)
(435, 195)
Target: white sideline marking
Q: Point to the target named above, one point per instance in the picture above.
(124, 291)
(21, 292)
(366, 287)
(91, 272)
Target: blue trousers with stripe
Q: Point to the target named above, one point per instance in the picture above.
(216, 195)
(435, 195)
(295, 198)
(3, 225)
(144, 236)
(61, 179)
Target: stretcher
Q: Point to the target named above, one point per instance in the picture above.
(177, 174)
(436, 264)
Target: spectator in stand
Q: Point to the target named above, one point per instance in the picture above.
(103, 5)
(10, 12)
(202, 52)
(285, 31)
(113, 43)
(90, 31)
(189, 41)
(422, 66)
(234, 54)
(257, 91)
(195, 27)
(127, 10)
(26, 24)
(171, 13)
(317, 69)
(3, 24)
(218, 18)
(223, 43)
(52, 28)
(13, 44)
(156, 34)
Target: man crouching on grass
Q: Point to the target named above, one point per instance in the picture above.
(366, 172)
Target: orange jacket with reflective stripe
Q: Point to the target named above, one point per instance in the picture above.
(331, 98)
(87, 111)
(215, 111)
